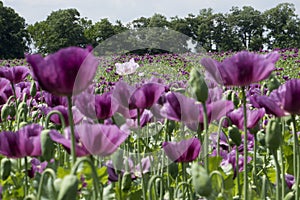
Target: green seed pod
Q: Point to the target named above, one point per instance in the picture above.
(261, 137)
(12, 110)
(235, 135)
(117, 160)
(229, 95)
(198, 85)
(5, 168)
(48, 147)
(68, 189)
(235, 99)
(171, 126)
(289, 196)
(173, 169)
(201, 180)
(5, 112)
(57, 184)
(273, 134)
(273, 83)
(126, 181)
(33, 89)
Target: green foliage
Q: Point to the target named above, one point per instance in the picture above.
(12, 34)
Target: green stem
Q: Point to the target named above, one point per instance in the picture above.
(254, 160)
(219, 132)
(71, 123)
(26, 177)
(61, 117)
(120, 185)
(139, 154)
(220, 176)
(152, 182)
(205, 122)
(296, 156)
(94, 174)
(183, 184)
(245, 144)
(282, 163)
(237, 172)
(53, 176)
(277, 167)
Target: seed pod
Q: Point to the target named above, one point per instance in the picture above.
(198, 85)
(33, 89)
(23, 106)
(68, 189)
(5, 168)
(126, 181)
(171, 126)
(47, 145)
(235, 99)
(273, 134)
(235, 135)
(201, 180)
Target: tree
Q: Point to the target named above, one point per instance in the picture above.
(282, 26)
(248, 24)
(62, 28)
(13, 35)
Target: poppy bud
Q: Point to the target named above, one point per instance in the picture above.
(57, 184)
(126, 181)
(201, 180)
(23, 106)
(5, 168)
(235, 135)
(68, 189)
(273, 134)
(171, 126)
(235, 99)
(261, 137)
(173, 169)
(5, 111)
(198, 85)
(47, 145)
(117, 160)
(289, 196)
(33, 89)
(273, 83)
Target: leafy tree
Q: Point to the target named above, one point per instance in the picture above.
(62, 28)
(248, 24)
(13, 35)
(282, 26)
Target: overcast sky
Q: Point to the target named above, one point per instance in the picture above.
(128, 10)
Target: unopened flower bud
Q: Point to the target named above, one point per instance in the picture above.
(235, 135)
(273, 134)
(201, 180)
(68, 189)
(198, 85)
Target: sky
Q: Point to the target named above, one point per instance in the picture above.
(128, 10)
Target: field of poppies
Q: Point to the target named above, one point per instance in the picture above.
(168, 126)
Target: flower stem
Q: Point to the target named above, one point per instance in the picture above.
(254, 160)
(26, 177)
(139, 154)
(296, 156)
(245, 144)
(71, 123)
(274, 152)
(205, 123)
(237, 171)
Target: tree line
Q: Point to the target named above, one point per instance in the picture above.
(238, 29)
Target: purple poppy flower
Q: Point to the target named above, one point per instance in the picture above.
(65, 141)
(269, 104)
(8, 92)
(290, 180)
(24, 142)
(52, 100)
(14, 74)
(253, 116)
(3, 84)
(77, 116)
(287, 95)
(241, 69)
(97, 106)
(145, 96)
(66, 72)
(183, 151)
(101, 140)
(37, 166)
